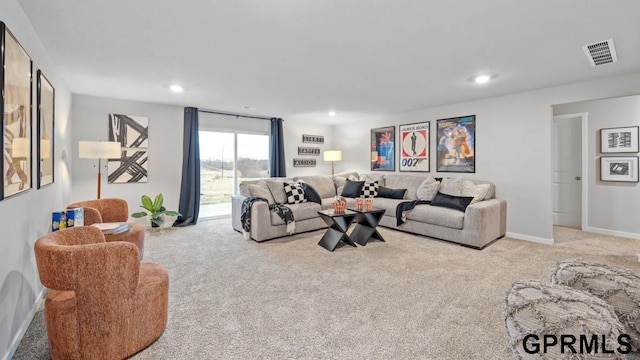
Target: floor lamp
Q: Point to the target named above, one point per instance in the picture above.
(333, 156)
(99, 150)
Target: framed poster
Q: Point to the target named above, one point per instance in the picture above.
(132, 132)
(619, 168)
(456, 150)
(383, 150)
(414, 150)
(304, 162)
(15, 83)
(45, 110)
(302, 150)
(619, 140)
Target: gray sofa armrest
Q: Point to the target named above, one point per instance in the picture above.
(484, 222)
(261, 227)
(236, 211)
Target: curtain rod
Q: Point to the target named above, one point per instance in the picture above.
(233, 114)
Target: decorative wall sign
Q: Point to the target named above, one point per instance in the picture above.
(46, 113)
(383, 150)
(623, 168)
(315, 139)
(304, 162)
(456, 151)
(308, 150)
(15, 86)
(414, 150)
(132, 132)
(619, 140)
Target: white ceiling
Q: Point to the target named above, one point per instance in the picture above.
(298, 59)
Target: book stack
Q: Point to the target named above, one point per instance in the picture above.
(112, 228)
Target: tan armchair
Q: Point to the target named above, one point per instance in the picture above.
(112, 210)
(105, 303)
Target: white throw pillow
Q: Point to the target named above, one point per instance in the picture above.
(451, 187)
(428, 190)
(479, 191)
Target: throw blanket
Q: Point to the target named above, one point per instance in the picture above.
(283, 212)
(403, 207)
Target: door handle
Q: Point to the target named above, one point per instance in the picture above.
(578, 178)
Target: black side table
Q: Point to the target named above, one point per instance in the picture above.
(366, 223)
(338, 225)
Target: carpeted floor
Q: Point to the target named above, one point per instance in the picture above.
(408, 298)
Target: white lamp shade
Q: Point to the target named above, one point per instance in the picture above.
(20, 148)
(332, 155)
(98, 149)
(45, 149)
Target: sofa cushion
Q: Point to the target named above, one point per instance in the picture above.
(323, 184)
(258, 191)
(435, 215)
(459, 203)
(428, 189)
(477, 191)
(409, 182)
(369, 189)
(539, 309)
(276, 186)
(451, 186)
(301, 211)
(244, 186)
(339, 182)
(385, 192)
(618, 287)
(389, 205)
(373, 177)
(295, 193)
(311, 193)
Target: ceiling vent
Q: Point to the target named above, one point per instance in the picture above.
(601, 53)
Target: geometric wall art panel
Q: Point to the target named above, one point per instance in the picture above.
(132, 132)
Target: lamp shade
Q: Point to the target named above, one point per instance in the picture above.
(98, 149)
(332, 155)
(20, 147)
(45, 149)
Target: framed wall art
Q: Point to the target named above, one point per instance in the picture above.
(15, 83)
(619, 140)
(456, 150)
(313, 139)
(619, 168)
(303, 150)
(414, 149)
(383, 149)
(132, 132)
(46, 121)
(304, 162)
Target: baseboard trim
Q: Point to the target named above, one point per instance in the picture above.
(613, 233)
(534, 239)
(25, 325)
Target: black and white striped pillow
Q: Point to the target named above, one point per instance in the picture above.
(369, 189)
(295, 193)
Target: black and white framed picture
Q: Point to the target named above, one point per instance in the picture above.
(45, 110)
(313, 139)
(304, 162)
(15, 89)
(619, 140)
(304, 150)
(132, 132)
(619, 168)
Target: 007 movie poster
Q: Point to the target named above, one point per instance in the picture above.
(414, 153)
(456, 144)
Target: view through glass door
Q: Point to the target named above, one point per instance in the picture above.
(226, 158)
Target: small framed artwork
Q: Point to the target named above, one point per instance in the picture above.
(302, 150)
(414, 148)
(619, 140)
(132, 132)
(313, 139)
(304, 162)
(15, 89)
(619, 168)
(456, 150)
(46, 111)
(383, 149)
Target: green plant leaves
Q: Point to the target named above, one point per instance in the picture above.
(139, 214)
(147, 203)
(157, 203)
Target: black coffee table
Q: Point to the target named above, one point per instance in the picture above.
(338, 225)
(366, 223)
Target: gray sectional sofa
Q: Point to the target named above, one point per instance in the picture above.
(481, 223)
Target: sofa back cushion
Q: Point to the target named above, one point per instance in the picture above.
(323, 184)
(403, 181)
(276, 186)
(244, 186)
(373, 177)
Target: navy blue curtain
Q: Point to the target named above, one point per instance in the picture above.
(190, 184)
(277, 166)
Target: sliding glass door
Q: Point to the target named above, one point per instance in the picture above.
(226, 158)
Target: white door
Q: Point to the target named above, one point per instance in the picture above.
(567, 171)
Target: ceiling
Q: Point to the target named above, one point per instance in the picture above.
(299, 59)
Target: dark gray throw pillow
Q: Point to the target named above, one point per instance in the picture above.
(386, 192)
(311, 193)
(352, 189)
(452, 202)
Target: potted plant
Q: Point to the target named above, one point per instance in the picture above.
(155, 209)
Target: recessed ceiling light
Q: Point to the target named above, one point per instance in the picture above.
(482, 79)
(176, 88)
(332, 113)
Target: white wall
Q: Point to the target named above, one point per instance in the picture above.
(513, 145)
(293, 131)
(613, 206)
(27, 216)
(165, 150)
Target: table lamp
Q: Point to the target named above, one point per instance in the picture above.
(333, 156)
(99, 150)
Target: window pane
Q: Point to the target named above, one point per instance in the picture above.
(253, 156)
(216, 173)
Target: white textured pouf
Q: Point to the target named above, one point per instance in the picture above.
(535, 309)
(618, 287)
